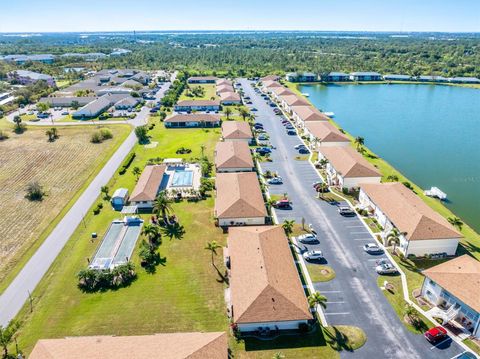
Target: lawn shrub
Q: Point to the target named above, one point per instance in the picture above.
(97, 208)
(92, 280)
(126, 163)
(35, 191)
(106, 134)
(96, 137)
(3, 135)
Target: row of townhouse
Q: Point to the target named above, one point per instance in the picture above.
(226, 91)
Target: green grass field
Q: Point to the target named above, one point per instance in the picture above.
(209, 91)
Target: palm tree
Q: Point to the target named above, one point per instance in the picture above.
(288, 226)
(162, 206)
(321, 189)
(243, 112)
(394, 237)
(316, 298)
(7, 335)
(151, 231)
(227, 112)
(456, 222)
(18, 122)
(52, 134)
(136, 172)
(202, 150)
(359, 141)
(212, 247)
(278, 355)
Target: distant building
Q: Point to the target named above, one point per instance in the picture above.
(394, 77)
(6, 98)
(67, 101)
(336, 77)
(464, 80)
(197, 105)
(365, 76)
(202, 80)
(301, 77)
(94, 108)
(432, 78)
(192, 120)
(22, 59)
(25, 77)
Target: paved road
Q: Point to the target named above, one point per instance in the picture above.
(14, 297)
(353, 296)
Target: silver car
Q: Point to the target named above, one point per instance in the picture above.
(372, 248)
(313, 255)
(386, 268)
(307, 238)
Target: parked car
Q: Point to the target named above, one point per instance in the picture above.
(307, 238)
(285, 122)
(436, 334)
(372, 248)
(289, 126)
(263, 149)
(65, 113)
(303, 151)
(248, 102)
(313, 255)
(385, 268)
(258, 125)
(272, 105)
(283, 203)
(291, 132)
(153, 110)
(301, 145)
(346, 211)
(247, 97)
(254, 109)
(263, 137)
(275, 180)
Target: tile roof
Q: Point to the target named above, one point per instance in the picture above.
(265, 285)
(408, 212)
(229, 96)
(309, 113)
(148, 183)
(238, 196)
(459, 276)
(166, 345)
(324, 131)
(220, 82)
(349, 162)
(193, 117)
(232, 130)
(225, 88)
(295, 100)
(282, 91)
(270, 78)
(233, 154)
(271, 84)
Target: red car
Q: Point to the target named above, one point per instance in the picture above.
(435, 334)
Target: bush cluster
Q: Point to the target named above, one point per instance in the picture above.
(102, 135)
(126, 163)
(92, 280)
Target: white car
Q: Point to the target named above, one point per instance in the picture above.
(372, 248)
(313, 255)
(307, 238)
(385, 268)
(275, 180)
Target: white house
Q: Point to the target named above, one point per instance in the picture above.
(197, 105)
(265, 288)
(233, 156)
(276, 92)
(180, 120)
(346, 168)
(324, 134)
(365, 76)
(453, 287)
(148, 186)
(423, 231)
(237, 131)
(239, 200)
(306, 113)
(288, 101)
(230, 98)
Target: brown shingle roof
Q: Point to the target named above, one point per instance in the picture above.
(224, 82)
(282, 91)
(294, 100)
(239, 196)
(198, 103)
(265, 285)
(192, 117)
(309, 113)
(408, 212)
(270, 78)
(349, 162)
(225, 88)
(229, 96)
(271, 84)
(167, 346)
(233, 154)
(325, 132)
(460, 277)
(236, 130)
(148, 183)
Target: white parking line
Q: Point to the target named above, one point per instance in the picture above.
(334, 302)
(356, 226)
(362, 239)
(330, 291)
(342, 313)
(443, 341)
(363, 232)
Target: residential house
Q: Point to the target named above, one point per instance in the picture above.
(277, 92)
(268, 86)
(432, 79)
(192, 120)
(306, 113)
(454, 288)
(6, 98)
(233, 156)
(346, 168)
(25, 77)
(67, 101)
(301, 77)
(196, 345)
(324, 134)
(288, 101)
(394, 77)
(365, 76)
(464, 80)
(265, 287)
(224, 88)
(336, 77)
(237, 131)
(221, 82)
(94, 108)
(202, 80)
(423, 231)
(197, 105)
(22, 59)
(230, 98)
(270, 78)
(127, 103)
(239, 200)
(148, 186)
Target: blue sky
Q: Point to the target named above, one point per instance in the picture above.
(348, 15)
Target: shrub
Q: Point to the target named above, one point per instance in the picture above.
(3, 135)
(126, 163)
(97, 208)
(106, 134)
(408, 185)
(142, 134)
(183, 150)
(345, 190)
(206, 185)
(303, 327)
(35, 191)
(207, 167)
(96, 138)
(91, 280)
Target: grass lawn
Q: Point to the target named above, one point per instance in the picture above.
(209, 91)
(183, 294)
(344, 337)
(372, 225)
(472, 345)
(320, 273)
(69, 118)
(64, 168)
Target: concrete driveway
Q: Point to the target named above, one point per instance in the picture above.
(354, 297)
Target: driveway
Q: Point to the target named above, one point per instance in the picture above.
(14, 297)
(353, 296)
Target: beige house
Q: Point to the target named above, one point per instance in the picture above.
(148, 186)
(276, 92)
(423, 231)
(324, 134)
(196, 345)
(267, 86)
(265, 287)
(239, 200)
(289, 101)
(230, 98)
(180, 120)
(453, 287)
(346, 168)
(304, 114)
(233, 156)
(224, 88)
(237, 131)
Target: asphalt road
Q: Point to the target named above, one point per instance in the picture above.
(353, 296)
(17, 293)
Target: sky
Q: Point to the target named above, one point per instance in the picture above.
(335, 15)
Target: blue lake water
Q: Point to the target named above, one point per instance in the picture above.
(429, 133)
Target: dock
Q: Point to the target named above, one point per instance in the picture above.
(435, 192)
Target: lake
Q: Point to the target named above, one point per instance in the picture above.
(430, 133)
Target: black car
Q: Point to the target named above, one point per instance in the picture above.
(291, 132)
(303, 151)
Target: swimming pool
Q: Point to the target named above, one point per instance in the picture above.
(182, 179)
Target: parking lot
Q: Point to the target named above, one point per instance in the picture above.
(354, 297)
